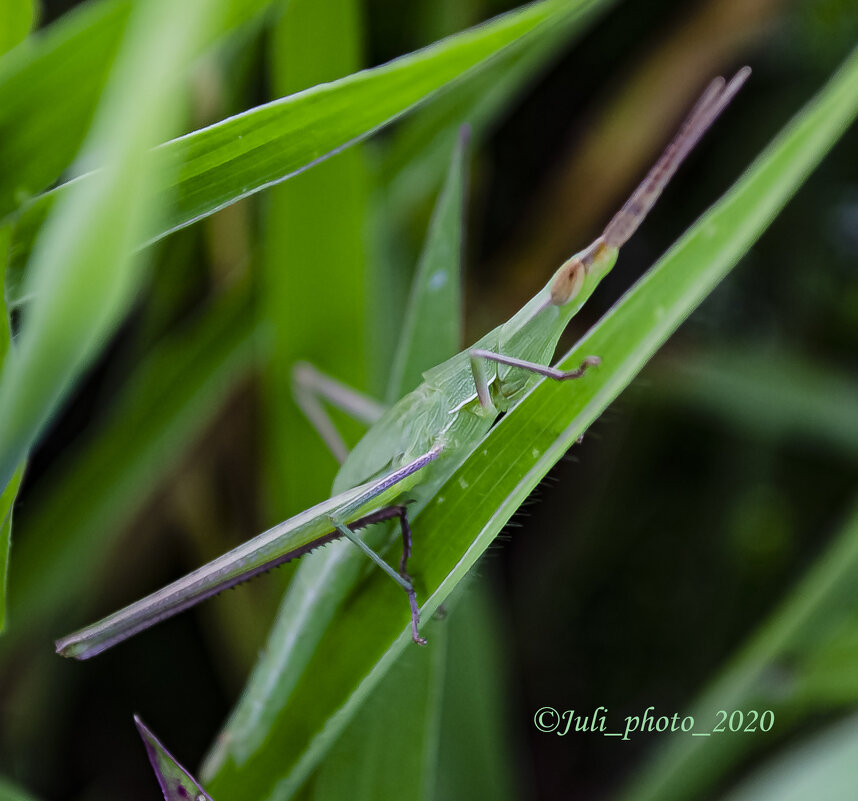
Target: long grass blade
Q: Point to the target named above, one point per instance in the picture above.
(7, 496)
(470, 510)
(50, 88)
(815, 622)
(391, 747)
(83, 272)
(820, 766)
(313, 43)
(238, 157)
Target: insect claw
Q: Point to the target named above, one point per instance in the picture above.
(415, 617)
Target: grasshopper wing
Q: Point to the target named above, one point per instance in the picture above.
(287, 540)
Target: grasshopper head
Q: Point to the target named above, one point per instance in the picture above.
(579, 275)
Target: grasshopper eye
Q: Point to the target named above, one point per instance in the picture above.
(567, 281)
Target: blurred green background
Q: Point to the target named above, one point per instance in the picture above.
(684, 522)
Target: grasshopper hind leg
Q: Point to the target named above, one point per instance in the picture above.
(402, 578)
(403, 572)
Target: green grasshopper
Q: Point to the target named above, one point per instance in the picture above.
(413, 447)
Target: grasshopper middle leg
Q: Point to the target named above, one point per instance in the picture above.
(481, 380)
(310, 387)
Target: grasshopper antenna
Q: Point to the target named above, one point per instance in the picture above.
(712, 102)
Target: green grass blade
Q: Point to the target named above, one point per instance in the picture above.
(16, 19)
(313, 43)
(49, 89)
(825, 675)
(11, 792)
(469, 511)
(476, 753)
(274, 676)
(85, 503)
(390, 748)
(271, 142)
(770, 395)
(176, 783)
(420, 146)
(7, 499)
(7, 496)
(810, 624)
(82, 272)
(432, 327)
(5, 322)
(821, 766)
(235, 158)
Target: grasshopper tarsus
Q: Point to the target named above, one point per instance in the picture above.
(415, 619)
(568, 375)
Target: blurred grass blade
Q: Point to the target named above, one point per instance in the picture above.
(468, 512)
(7, 495)
(85, 504)
(420, 145)
(16, 19)
(390, 748)
(825, 675)
(815, 616)
(82, 271)
(49, 89)
(235, 158)
(271, 140)
(476, 753)
(7, 499)
(432, 327)
(11, 792)
(5, 321)
(176, 783)
(312, 43)
(767, 394)
(820, 766)
(410, 169)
